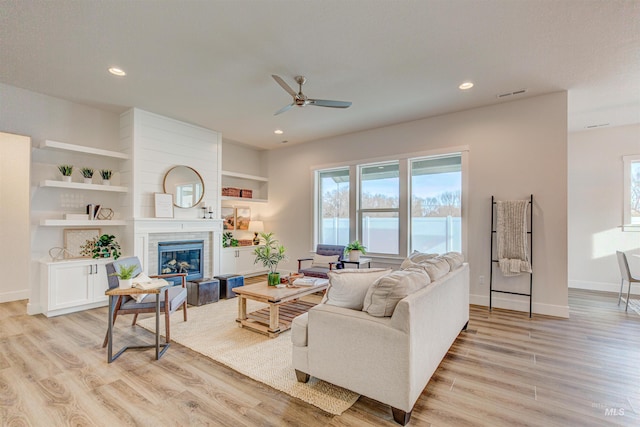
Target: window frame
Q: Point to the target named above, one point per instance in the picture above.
(627, 222)
(405, 177)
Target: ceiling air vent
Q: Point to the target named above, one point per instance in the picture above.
(597, 126)
(507, 94)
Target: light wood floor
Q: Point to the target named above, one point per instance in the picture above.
(506, 370)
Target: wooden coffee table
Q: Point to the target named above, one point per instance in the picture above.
(284, 306)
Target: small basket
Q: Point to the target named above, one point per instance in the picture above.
(247, 194)
(231, 191)
(245, 242)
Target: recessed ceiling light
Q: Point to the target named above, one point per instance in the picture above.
(117, 71)
(278, 131)
(285, 141)
(465, 86)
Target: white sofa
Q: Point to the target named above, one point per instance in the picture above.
(389, 359)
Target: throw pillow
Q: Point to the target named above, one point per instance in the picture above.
(348, 287)
(323, 260)
(383, 296)
(455, 259)
(436, 268)
(416, 257)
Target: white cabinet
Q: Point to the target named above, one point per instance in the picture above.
(257, 184)
(74, 285)
(73, 149)
(240, 260)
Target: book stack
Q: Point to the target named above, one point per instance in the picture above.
(93, 211)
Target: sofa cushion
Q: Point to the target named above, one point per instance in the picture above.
(347, 287)
(323, 260)
(299, 330)
(455, 259)
(416, 257)
(383, 296)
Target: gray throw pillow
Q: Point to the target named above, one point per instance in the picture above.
(347, 287)
(383, 296)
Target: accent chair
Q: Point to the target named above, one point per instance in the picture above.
(325, 259)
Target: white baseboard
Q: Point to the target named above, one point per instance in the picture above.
(14, 296)
(523, 305)
(603, 286)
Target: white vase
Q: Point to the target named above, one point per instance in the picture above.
(88, 180)
(106, 182)
(354, 255)
(66, 178)
(125, 283)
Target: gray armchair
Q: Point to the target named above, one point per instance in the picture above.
(315, 270)
(175, 295)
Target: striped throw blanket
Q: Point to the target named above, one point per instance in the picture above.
(511, 230)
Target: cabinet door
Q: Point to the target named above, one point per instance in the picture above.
(228, 261)
(69, 285)
(245, 261)
(99, 282)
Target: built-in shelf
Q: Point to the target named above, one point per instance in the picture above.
(82, 149)
(81, 222)
(83, 186)
(244, 176)
(243, 199)
(258, 185)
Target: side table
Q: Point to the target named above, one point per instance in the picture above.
(358, 263)
(118, 293)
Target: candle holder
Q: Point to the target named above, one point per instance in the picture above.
(210, 214)
(204, 212)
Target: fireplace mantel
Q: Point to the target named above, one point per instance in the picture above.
(175, 225)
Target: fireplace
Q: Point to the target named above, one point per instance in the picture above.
(184, 256)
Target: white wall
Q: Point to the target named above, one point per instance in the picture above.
(43, 117)
(516, 149)
(596, 207)
(15, 151)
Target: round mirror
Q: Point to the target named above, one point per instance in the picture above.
(186, 186)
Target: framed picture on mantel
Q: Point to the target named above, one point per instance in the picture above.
(164, 205)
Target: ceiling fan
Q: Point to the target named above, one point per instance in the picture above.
(301, 100)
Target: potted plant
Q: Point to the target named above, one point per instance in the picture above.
(125, 275)
(87, 173)
(354, 250)
(106, 246)
(66, 171)
(270, 255)
(106, 176)
(228, 240)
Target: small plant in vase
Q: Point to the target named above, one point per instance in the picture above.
(106, 176)
(354, 250)
(106, 246)
(125, 275)
(270, 256)
(228, 240)
(87, 174)
(66, 171)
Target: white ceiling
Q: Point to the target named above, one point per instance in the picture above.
(210, 62)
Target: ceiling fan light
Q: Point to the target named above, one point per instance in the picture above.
(465, 85)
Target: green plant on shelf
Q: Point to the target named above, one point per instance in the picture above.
(105, 173)
(65, 170)
(228, 240)
(106, 246)
(87, 172)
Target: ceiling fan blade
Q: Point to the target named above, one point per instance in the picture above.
(328, 103)
(285, 108)
(284, 86)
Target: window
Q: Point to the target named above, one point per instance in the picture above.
(632, 192)
(379, 208)
(393, 206)
(333, 206)
(436, 191)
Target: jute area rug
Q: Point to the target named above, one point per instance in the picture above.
(211, 330)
